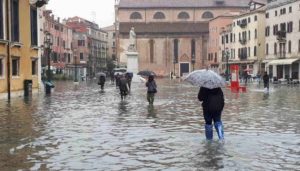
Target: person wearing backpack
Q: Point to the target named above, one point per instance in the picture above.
(152, 89)
(212, 104)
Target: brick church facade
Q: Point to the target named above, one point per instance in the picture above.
(172, 35)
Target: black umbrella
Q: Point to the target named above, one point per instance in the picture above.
(146, 73)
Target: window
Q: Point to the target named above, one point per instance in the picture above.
(151, 51)
(275, 48)
(283, 27)
(58, 40)
(230, 37)
(135, 15)
(275, 29)
(207, 14)
(249, 35)
(81, 56)
(159, 15)
(34, 27)
(15, 66)
(175, 60)
(299, 25)
(267, 49)
(1, 21)
(290, 9)
(249, 52)
(254, 51)
(290, 27)
(15, 21)
(276, 13)
(267, 15)
(255, 18)
(290, 46)
(249, 20)
(299, 45)
(69, 58)
(255, 33)
(1, 67)
(267, 31)
(183, 15)
(81, 43)
(34, 66)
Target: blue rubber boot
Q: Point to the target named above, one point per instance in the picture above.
(209, 132)
(220, 130)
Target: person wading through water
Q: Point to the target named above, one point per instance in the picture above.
(152, 89)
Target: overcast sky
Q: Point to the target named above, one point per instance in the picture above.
(100, 10)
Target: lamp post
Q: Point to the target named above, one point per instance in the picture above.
(75, 63)
(227, 53)
(48, 48)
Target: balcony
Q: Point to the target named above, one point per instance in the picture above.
(281, 55)
(281, 36)
(243, 41)
(39, 3)
(243, 57)
(243, 24)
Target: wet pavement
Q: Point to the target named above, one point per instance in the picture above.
(83, 128)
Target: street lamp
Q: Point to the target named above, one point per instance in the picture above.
(227, 53)
(75, 63)
(48, 47)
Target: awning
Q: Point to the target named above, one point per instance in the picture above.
(283, 61)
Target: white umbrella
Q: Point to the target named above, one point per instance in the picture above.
(101, 74)
(205, 78)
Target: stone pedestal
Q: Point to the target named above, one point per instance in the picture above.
(132, 62)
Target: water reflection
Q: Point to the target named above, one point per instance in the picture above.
(82, 128)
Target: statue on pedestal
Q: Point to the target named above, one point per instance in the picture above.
(132, 40)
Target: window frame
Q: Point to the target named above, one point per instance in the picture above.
(15, 21)
(2, 67)
(183, 15)
(159, 16)
(34, 66)
(34, 26)
(135, 16)
(15, 58)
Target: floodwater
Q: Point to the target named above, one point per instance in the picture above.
(82, 128)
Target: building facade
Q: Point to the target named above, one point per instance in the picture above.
(249, 43)
(62, 36)
(216, 26)
(89, 45)
(172, 36)
(19, 46)
(283, 39)
(111, 41)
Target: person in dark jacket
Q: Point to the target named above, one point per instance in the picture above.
(266, 79)
(152, 89)
(123, 86)
(102, 81)
(117, 78)
(212, 104)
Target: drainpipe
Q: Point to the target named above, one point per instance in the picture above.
(8, 27)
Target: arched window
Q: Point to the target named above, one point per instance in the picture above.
(207, 14)
(175, 59)
(159, 15)
(255, 51)
(267, 49)
(151, 42)
(183, 15)
(135, 15)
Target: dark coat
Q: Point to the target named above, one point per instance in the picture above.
(152, 88)
(212, 99)
(102, 79)
(266, 78)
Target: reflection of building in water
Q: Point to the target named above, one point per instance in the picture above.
(172, 35)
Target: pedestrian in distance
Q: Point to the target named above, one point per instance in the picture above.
(112, 78)
(212, 104)
(129, 77)
(123, 86)
(102, 81)
(117, 78)
(151, 89)
(266, 80)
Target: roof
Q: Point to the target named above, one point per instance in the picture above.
(182, 3)
(109, 28)
(164, 28)
(262, 2)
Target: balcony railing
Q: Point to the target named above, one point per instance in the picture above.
(281, 36)
(243, 41)
(243, 24)
(281, 55)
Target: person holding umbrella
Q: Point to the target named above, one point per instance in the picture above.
(212, 98)
(152, 89)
